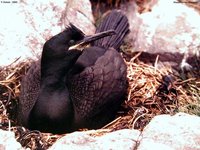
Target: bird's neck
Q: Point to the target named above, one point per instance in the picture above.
(53, 72)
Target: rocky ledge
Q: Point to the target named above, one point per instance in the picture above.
(181, 131)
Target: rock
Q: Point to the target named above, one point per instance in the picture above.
(122, 139)
(8, 141)
(79, 13)
(181, 131)
(28, 24)
(170, 30)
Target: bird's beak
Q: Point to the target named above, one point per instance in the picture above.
(88, 39)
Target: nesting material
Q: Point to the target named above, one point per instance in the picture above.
(151, 92)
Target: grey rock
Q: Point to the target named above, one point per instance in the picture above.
(123, 139)
(8, 141)
(170, 30)
(28, 24)
(79, 13)
(181, 131)
(178, 132)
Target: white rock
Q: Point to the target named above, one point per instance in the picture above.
(169, 27)
(149, 144)
(8, 141)
(79, 13)
(26, 25)
(123, 139)
(181, 131)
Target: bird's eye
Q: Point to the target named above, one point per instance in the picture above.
(71, 42)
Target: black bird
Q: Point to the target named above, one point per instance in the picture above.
(72, 89)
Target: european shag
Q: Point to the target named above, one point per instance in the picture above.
(71, 89)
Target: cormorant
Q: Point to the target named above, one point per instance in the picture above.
(72, 89)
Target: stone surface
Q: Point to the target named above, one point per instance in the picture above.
(26, 25)
(170, 29)
(178, 132)
(181, 131)
(8, 141)
(79, 13)
(122, 139)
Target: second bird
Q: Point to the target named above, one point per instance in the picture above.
(72, 89)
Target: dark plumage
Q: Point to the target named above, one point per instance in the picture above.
(74, 89)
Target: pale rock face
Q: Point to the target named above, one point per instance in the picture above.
(123, 139)
(169, 28)
(79, 13)
(181, 131)
(165, 132)
(26, 25)
(8, 142)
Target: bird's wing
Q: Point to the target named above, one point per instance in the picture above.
(30, 85)
(99, 87)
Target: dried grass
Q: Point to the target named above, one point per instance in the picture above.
(149, 94)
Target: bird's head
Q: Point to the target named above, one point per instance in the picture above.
(71, 38)
(62, 50)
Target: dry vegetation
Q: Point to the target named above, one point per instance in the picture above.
(151, 92)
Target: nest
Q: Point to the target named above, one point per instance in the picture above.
(151, 92)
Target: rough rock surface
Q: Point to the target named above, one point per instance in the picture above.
(26, 25)
(170, 29)
(178, 132)
(79, 13)
(8, 142)
(123, 139)
(181, 131)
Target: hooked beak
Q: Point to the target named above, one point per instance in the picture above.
(91, 38)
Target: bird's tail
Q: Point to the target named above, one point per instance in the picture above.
(117, 21)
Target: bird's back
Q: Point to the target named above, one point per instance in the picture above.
(98, 82)
(116, 21)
